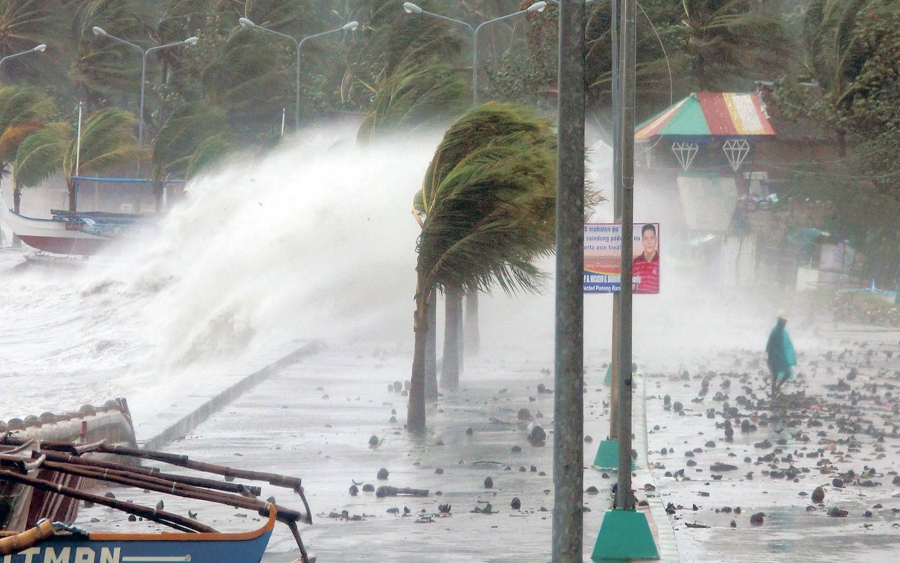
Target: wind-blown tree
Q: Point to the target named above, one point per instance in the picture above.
(836, 54)
(39, 156)
(23, 25)
(488, 200)
(103, 69)
(416, 95)
(178, 140)
(23, 110)
(107, 141)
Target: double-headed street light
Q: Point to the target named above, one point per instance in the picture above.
(144, 52)
(349, 26)
(38, 49)
(411, 8)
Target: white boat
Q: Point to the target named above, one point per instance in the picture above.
(74, 233)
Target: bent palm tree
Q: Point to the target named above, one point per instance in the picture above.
(488, 202)
(23, 110)
(107, 140)
(189, 126)
(39, 156)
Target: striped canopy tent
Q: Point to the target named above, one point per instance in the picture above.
(704, 117)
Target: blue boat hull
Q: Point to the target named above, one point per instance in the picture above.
(164, 547)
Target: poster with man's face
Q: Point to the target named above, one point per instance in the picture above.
(602, 258)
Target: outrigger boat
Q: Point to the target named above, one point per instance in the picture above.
(193, 541)
(21, 506)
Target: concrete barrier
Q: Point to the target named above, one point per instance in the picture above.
(192, 420)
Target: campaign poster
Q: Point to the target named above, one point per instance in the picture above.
(602, 262)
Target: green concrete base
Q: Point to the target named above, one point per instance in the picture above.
(608, 455)
(607, 380)
(624, 535)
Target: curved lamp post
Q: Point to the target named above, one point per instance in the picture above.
(248, 24)
(144, 52)
(37, 49)
(411, 8)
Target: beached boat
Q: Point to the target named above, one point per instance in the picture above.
(75, 233)
(21, 507)
(196, 541)
(66, 544)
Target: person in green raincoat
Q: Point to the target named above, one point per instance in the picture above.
(781, 355)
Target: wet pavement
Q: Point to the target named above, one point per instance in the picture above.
(839, 432)
(315, 420)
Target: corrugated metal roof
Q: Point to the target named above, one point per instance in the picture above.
(709, 114)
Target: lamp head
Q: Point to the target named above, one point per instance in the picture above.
(246, 23)
(350, 26)
(40, 48)
(536, 7)
(99, 31)
(411, 8)
(191, 40)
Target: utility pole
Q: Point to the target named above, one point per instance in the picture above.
(625, 533)
(568, 424)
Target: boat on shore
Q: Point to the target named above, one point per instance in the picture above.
(192, 541)
(82, 233)
(21, 507)
(57, 542)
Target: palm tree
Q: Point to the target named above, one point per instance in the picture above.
(489, 204)
(178, 140)
(102, 69)
(24, 24)
(416, 95)
(39, 156)
(726, 42)
(107, 140)
(835, 57)
(23, 110)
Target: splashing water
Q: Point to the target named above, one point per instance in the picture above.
(314, 241)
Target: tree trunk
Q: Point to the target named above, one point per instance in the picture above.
(415, 413)
(453, 313)
(431, 393)
(71, 193)
(17, 199)
(472, 337)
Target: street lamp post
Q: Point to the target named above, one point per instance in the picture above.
(37, 49)
(411, 8)
(246, 23)
(144, 52)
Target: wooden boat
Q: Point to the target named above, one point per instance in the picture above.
(65, 544)
(196, 542)
(22, 507)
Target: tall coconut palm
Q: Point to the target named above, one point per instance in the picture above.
(489, 212)
(39, 156)
(107, 141)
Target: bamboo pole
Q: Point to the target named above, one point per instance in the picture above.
(238, 488)
(169, 519)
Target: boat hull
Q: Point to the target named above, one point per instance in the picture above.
(245, 547)
(52, 235)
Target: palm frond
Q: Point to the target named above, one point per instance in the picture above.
(489, 202)
(41, 155)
